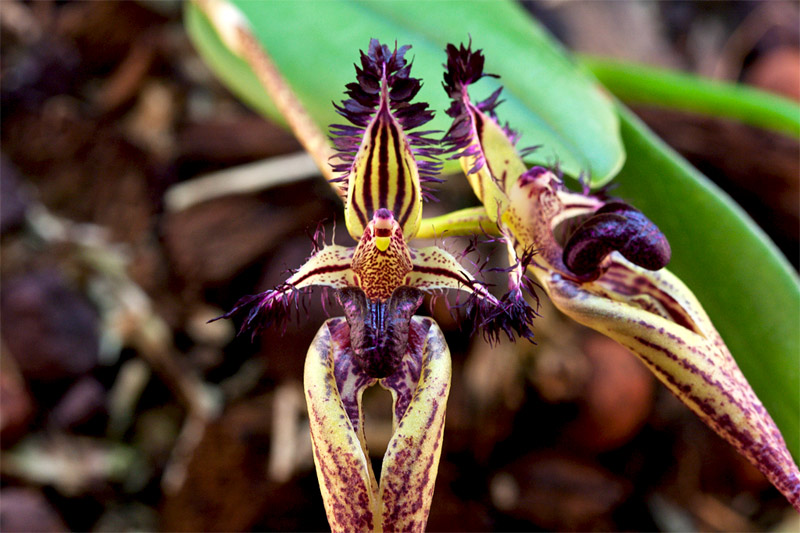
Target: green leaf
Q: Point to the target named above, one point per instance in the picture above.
(232, 70)
(745, 284)
(646, 85)
(315, 45)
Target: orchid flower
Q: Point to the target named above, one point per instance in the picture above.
(601, 262)
(598, 258)
(379, 284)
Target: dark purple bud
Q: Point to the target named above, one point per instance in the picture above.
(379, 330)
(616, 226)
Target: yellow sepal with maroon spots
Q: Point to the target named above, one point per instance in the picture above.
(354, 500)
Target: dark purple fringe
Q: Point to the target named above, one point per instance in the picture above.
(463, 68)
(364, 99)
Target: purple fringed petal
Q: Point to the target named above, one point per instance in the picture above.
(364, 98)
(510, 315)
(465, 67)
(266, 309)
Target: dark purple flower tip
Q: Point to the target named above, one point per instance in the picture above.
(379, 330)
(383, 81)
(378, 66)
(463, 68)
(266, 309)
(510, 315)
(615, 226)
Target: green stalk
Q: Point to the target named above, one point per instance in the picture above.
(638, 84)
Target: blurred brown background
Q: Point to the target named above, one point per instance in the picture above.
(122, 410)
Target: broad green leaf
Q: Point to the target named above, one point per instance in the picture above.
(316, 43)
(747, 287)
